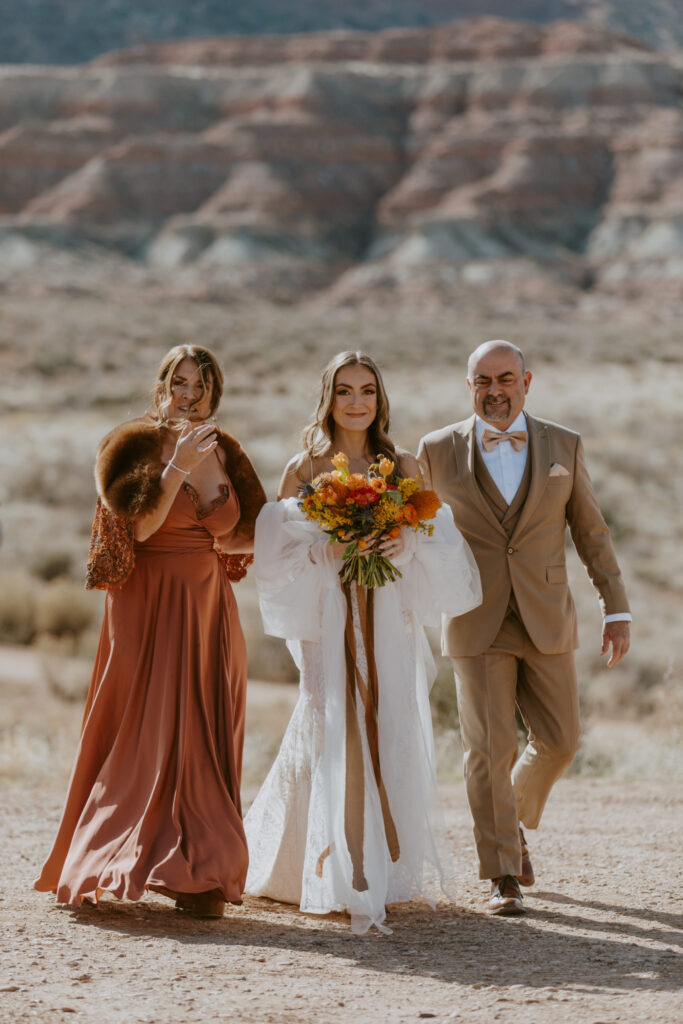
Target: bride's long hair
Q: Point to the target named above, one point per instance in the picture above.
(318, 436)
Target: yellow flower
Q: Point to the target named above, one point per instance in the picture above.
(408, 485)
(340, 461)
(386, 466)
(378, 484)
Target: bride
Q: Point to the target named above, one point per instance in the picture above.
(348, 816)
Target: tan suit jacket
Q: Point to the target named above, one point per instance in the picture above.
(530, 561)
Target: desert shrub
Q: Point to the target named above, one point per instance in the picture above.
(18, 594)
(591, 760)
(443, 697)
(58, 481)
(268, 659)
(49, 565)
(67, 678)
(63, 609)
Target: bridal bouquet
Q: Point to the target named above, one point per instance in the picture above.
(359, 509)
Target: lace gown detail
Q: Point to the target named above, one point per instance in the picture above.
(304, 846)
(154, 797)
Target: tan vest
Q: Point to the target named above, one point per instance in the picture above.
(507, 515)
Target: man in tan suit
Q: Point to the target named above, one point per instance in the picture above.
(514, 484)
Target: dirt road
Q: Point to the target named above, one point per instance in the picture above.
(600, 944)
(601, 941)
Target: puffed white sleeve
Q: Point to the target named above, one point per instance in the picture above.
(442, 577)
(293, 571)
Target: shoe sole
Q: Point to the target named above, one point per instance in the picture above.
(507, 910)
(184, 906)
(525, 880)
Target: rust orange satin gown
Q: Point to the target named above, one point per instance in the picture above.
(154, 797)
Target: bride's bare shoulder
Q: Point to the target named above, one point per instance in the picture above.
(300, 469)
(407, 463)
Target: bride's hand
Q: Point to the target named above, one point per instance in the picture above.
(392, 547)
(193, 445)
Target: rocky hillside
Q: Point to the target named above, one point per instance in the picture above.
(545, 160)
(71, 31)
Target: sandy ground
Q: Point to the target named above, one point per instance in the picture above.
(600, 943)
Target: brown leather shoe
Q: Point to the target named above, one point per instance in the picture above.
(202, 904)
(505, 898)
(527, 876)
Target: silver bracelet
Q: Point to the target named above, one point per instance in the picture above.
(186, 472)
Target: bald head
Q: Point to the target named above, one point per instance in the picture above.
(498, 381)
(486, 347)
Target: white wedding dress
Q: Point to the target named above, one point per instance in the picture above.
(349, 819)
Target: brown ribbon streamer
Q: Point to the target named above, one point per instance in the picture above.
(354, 800)
(320, 863)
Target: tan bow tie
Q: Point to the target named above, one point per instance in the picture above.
(490, 438)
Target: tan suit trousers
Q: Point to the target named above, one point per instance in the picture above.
(504, 789)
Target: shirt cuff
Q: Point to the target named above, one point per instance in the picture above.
(618, 617)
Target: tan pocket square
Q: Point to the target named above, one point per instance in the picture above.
(557, 469)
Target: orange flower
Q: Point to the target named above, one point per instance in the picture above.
(362, 544)
(386, 466)
(410, 514)
(378, 484)
(329, 496)
(355, 481)
(393, 534)
(339, 489)
(340, 461)
(425, 504)
(322, 480)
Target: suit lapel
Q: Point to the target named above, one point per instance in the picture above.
(468, 435)
(539, 446)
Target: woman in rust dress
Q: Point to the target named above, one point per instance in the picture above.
(154, 797)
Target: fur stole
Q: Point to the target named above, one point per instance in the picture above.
(128, 475)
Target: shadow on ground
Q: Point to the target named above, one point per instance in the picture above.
(464, 947)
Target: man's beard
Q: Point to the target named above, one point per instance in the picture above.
(496, 410)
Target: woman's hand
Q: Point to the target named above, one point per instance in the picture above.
(192, 446)
(392, 547)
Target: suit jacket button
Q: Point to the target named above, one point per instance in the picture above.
(511, 551)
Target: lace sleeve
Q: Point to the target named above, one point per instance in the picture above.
(111, 558)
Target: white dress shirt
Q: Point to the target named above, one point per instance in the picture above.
(506, 467)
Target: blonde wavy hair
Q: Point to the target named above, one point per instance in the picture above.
(210, 375)
(318, 435)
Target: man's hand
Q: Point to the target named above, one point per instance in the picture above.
(616, 635)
